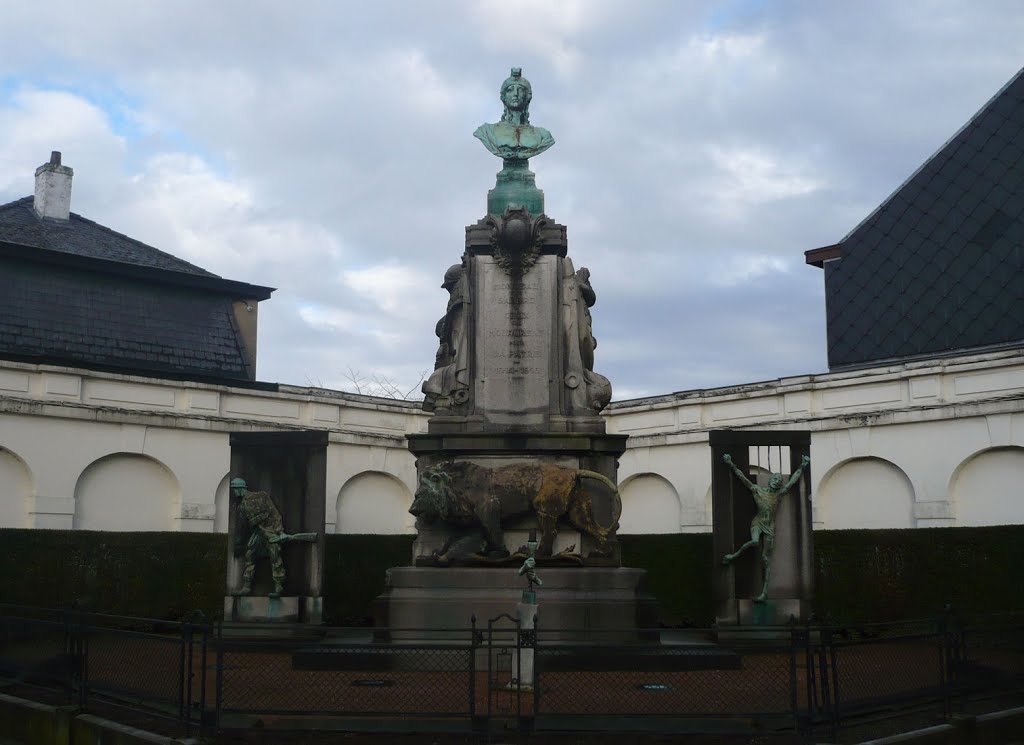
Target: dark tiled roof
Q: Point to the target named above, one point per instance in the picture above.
(19, 223)
(939, 267)
(61, 315)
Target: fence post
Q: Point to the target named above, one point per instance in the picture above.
(220, 675)
(188, 632)
(202, 679)
(519, 672)
(945, 657)
(74, 656)
(793, 698)
(182, 683)
(69, 653)
(70, 657)
(834, 665)
(826, 660)
(812, 679)
(536, 671)
(956, 651)
(472, 670)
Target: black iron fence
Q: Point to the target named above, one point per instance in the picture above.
(154, 669)
(196, 677)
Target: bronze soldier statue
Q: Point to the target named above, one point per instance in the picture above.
(259, 533)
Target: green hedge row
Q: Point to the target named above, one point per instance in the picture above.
(864, 575)
(151, 575)
(168, 575)
(861, 575)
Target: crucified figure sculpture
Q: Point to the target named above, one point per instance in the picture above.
(767, 500)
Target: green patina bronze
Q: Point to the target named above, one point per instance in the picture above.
(762, 526)
(515, 141)
(529, 570)
(259, 533)
(474, 501)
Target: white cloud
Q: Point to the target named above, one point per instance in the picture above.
(34, 121)
(548, 29)
(392, 288)
(755, 175)
(329, 153)
(741, 269)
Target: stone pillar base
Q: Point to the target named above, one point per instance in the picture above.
(579, 604)
(264, 609)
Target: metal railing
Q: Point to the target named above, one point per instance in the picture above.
(196, 677)
(96, 661)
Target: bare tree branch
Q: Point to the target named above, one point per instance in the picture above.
(381, 385)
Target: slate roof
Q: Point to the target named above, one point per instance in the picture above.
(939, 267)
(79, 294)
(61, 315)
(19, 223)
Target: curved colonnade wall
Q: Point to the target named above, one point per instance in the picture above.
(933, 443)
(98, 451)
(926, 444)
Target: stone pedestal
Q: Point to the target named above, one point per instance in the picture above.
(522, 660)
(424, 604)
(264, 609)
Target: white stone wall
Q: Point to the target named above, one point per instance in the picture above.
(89, 450)
(932, 443)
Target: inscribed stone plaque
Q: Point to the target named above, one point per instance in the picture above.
(514, 338)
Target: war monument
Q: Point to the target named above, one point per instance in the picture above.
(516, 442)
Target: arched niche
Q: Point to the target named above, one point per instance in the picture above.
(650, 504)
(376, 503)
(865, 493)
(987, 488)
(221, 505)
(126, 491)
(15, 490)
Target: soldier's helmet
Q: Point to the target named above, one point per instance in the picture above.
(238, 484)
(452, 276)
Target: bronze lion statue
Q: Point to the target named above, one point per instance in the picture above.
(465, 495)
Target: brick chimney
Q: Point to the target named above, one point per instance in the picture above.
(53, 189)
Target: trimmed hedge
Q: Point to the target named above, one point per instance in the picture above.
(354, 567)
(678, 574)
(151, 575)
(865, 575)
(861, 575)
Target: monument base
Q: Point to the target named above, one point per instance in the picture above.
(425, 604)
(749, 622)
(264, 609)
(772, 612)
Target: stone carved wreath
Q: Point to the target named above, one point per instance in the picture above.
(516, 238)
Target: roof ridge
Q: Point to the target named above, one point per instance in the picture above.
(157, 258)
(949, 140)
(142, 243)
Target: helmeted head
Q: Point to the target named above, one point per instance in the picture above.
(516, 93)
(238, 487)
(452, 276)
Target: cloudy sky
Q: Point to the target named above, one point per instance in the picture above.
(326, 149)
